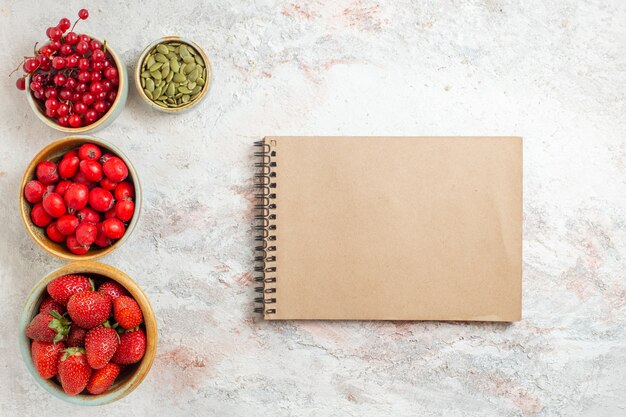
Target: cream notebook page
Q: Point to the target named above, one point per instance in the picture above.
(396, 228)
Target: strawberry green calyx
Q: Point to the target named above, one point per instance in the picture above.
(60, 324)
(71, 351)
(121, 330)
(91, 283)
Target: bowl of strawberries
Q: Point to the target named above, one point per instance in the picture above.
(88, 333)
(80, 198)
(75, 82)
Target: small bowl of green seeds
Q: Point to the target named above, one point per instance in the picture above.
(173, 74)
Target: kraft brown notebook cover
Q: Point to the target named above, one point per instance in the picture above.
(390, 228)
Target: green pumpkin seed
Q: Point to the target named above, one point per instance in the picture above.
(171, 90)
(171, 46)
(162, 49)
(145, 74)
(150, 62)
(155, 66)
(184, 90)
(149, 84)
(191, 85)
(165, 72)
(179, 77)
(190, 67)
(156, 92)
(198, 60)
(188, 59)
(174, 65)
(200, 81)
(143, 83)
(161, 58)
(194, 75)
(183, 51)
(155, 75)
(169, 76)
(148, 93)
(185, 98)
(196, 89)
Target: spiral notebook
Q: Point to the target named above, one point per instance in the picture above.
(389, 228)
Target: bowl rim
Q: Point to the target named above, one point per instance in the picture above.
(203, 92)
(31, 305)
(29, 175)
(98, 123)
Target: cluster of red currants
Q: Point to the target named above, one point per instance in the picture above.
(82, 200)
(72, 77)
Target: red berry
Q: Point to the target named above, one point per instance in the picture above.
(127, 312)
(89, 151)
(100, 107)
(75, 247)
(111, 73)
(71, 61)
(113, 289)
(79, 178)
(30, 65)
(68, 167)
(48, 305)
(63, 287)
(101, 239)
(115, 169)
(96, 75)
(51, 112)
(20, 83)
(131, 348)
(67, 224)
(33, 191)
(110, 214)
(47, 172)
(74, 120)
(83, 77)
(60, 80)
(81, 87)
(62, 121)
(111, 96)
(46, 50)
(107, 184)
(80, 108)
(113, 228)
(54, 205)
(87, 99)
(58, 62)
(124, 210)
(102, 379)
(65, 94)
(62, 111)
(46, 358)
(53, 233)
(88, 215)
(95, 44)
(89, 309)
(77, 196)
(62, 187)
(55, 33)
(124, 191)
(91, 116)
(100, 199)
(55, 45)
(66, 50)
(50, 92)
(48, 327)
(86, 233)
(100, 345)
(85, 38)
(64, 24)
(98, 55)
(71, 38)
(39, 216)
(76, 337)
(83, 14)
(83, 64)
(52, 103)
(82, 47)
(74, 371)
(96, 87)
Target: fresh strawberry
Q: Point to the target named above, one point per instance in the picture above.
(131, 348)
(126, 312)
(100, 344)
(46, 357)
(48, 305)
(89, 308)
(48, 327)
(102, 379)
(74, 371)
(76, 338)
(62, 288)
(112, 289)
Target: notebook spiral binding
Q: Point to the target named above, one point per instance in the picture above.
(265, 251)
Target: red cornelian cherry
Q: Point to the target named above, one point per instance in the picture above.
(68, 167)
(124, 191)
(92, 169)
(101, 199)
(88, 214)
(67, 224)
(107, 184)
(115, 169)
(53, 233)
(75, 247)
(39, 216)
(47, 172)
(113, 228)
(62, 187)
(77, 196)
(89, 151)
(33, 191)
(54, 205)
(110, 214)
(86, 233)
(124, 210)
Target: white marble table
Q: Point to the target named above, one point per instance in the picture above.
(551, 73)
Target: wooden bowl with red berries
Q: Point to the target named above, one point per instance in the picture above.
(88, 333)
(80, 198)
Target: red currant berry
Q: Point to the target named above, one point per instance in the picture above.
(37, 94)
(52, 103)
(62, 121)
(91, 116)
(53, 205)
(71, 61)
(39, 78)
(95, 44)
(83, 76)
(55, 45)
(35, 86)
(71, 38)
(86, 233)
(83, 64)
(74, 120)
(111, 73)
(99, 106)
(97, 66)
(85, 38)
(39, 216)
(80, 108)
(47, 172)
(91, 169)
(30, 65)
(20, 83)
(67, 224)
(46, 50)
(107, 85)
(111, 96)
(88, 215)
(33, 191)
(71, 83)
(81, 87)
(51, 113)
(58, 62)
(87, 99)
(96, 87)
(115, 169)
(76, 97)
(65, 94)
(53, 233)
(98, 55)
(82, 47)
(64, 24)
(60, 79)
(75, 247)
(124, 210)
(89, 151)
(51, 92)
(63, 110)
(113, 228)
(48, 31)
(124, 191)
(62, 187)
(107, 184)
(107, 63)
(66, 49)
(83, 14)
(96, 75)
(77, 196)
(55, 33)
(100, 199)
(101, 96)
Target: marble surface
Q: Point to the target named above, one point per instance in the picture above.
(552, 72)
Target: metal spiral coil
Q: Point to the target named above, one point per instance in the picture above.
(265, 258)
